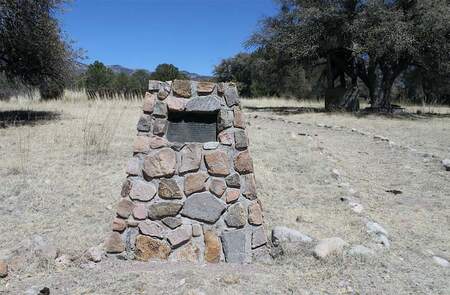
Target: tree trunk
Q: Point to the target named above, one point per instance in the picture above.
(383, 97)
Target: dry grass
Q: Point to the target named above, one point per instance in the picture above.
(61, 179)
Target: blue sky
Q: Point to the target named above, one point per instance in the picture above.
(192, 34)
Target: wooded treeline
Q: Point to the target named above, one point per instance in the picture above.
(382, 48)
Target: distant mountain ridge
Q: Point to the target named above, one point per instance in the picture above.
(82, 68)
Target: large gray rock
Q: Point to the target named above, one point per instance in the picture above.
(180, 235)
(203, 104)
(151, 228)
(204, 207)
(237, 246)
(259, 237)
(225, 120)
(284, 234)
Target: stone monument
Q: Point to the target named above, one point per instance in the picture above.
(190, 194)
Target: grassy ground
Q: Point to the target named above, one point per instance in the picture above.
(61, 179)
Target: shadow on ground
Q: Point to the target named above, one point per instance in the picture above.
(25, 117)
(286, 110)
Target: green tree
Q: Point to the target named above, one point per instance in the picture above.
(32, 47)
(98, 77)
(372, 40)
(139, 79)
(167, 72)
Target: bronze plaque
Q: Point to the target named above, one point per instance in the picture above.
(192, 127)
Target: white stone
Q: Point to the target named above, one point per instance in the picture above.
(375, 228)
(284, 234)
(330, 246)
(210, 145)
(441, 261)
(356, 207)
(446, 164)
(94, 254)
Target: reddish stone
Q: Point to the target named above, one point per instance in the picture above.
(232, 195)
(182, 88)
(151, 228)
(243, 163)
(141, 144)
(249, 186)
(239, 118)
(176, 104)
(226, 138)
(217, 186)
(119, 224)
(149, 102)
(124, 208)
(148, 248)
(156, 142)
(114, 243)
(213, 247)
(205, 87)
(140, 212)
(161, 163)
(134, 167)
(3, 269)
(195, 182)
(142, 190)
(255, 214)
(191, 156)
(217, 163)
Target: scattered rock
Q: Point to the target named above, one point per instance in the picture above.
(114, 243)
(327, 247)
(204, 207)
(356, 207)
(335, 173)
(63, 261)
(383, 240)
(94, 254)
(446, 164)
(284, 234)
(441, 261)
(3, 269)
(213, 247)
(375, 228)
(43, 248)
(148, 248)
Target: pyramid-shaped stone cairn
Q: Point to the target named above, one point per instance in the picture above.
(190, 192)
